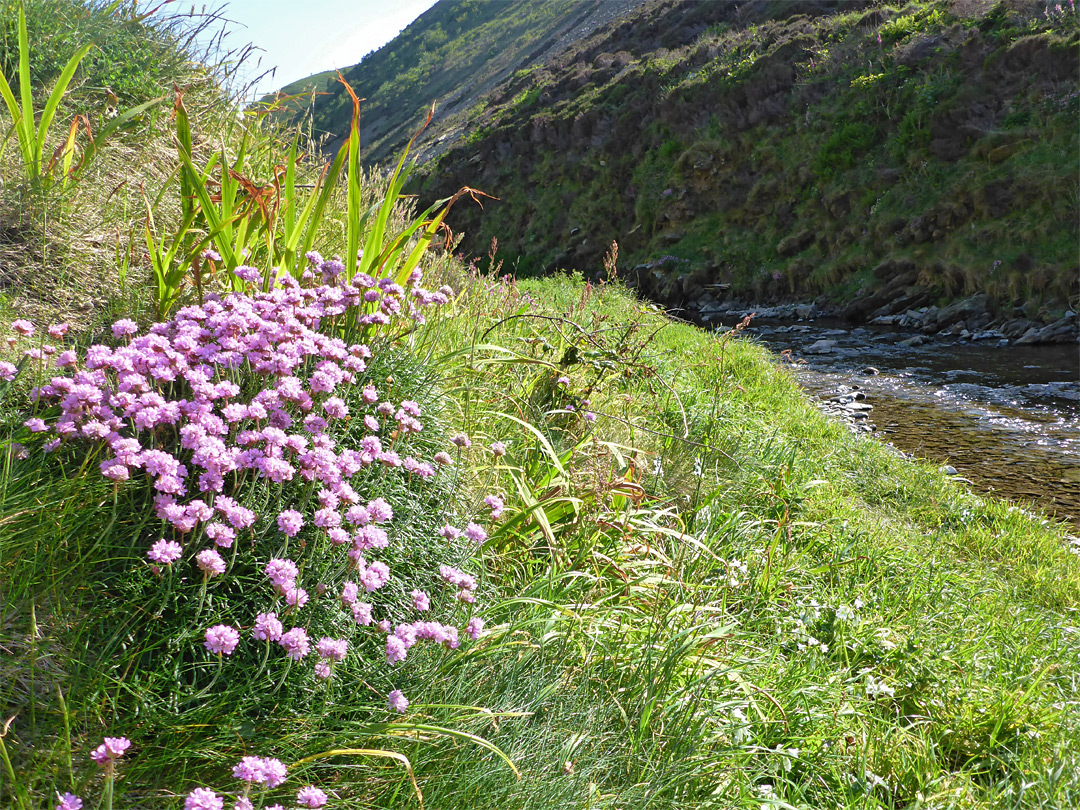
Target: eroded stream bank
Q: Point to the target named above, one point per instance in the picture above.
(1007, 418)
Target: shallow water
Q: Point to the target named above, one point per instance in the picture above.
(1006, 417)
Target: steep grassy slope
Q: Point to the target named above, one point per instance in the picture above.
(451, 54)
(791, 149)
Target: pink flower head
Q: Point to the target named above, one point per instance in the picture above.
(221, 534)
(110, 750)
(496, 504)
(290, 522)
(249, 769)
(361, 612)
(295, 596)
(498, 449)
(420, 600)
(395, 650)
(165, 552)
(442, 457)
(221, 639)
(449, 532)
(336, 408)
(203, 799)
(124, 327)
(380, 511)
(475, 627)
(58, 330)
(23, 327)
(397, 701)
(332, 649)
(475, 533)
(273, 772)
(210, 562)
(69, 801)
(267, 627)
(296, 643)
(310, 796)
(243, 803)
(349, 592)
(282, 572)
(461, 440)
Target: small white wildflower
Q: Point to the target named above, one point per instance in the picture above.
(845, 614)
(876, 689)
(884, 636)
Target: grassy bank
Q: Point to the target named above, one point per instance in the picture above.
(695, 590)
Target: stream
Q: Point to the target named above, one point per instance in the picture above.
(1007, 418)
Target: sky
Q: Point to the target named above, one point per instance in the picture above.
(302, 37)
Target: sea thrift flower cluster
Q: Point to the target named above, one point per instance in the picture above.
(256, 390)
(110, 750)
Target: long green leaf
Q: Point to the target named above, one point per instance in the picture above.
(54, 100)
(316, 214)
(24, 72)
(106, 131)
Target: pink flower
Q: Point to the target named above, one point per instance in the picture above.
(210, 562)
(442, 457)
(110, 750)
(498, 449)
(290, 522)
(282, 572)
(395, 650)
(380, 511)
(475, 533)
(23, 327)
(124, 327)
(273, 772)
(361, 612)
(496, 504)
(294, 596)
(461, 440)
(420, 600)
(397, 701)
(336, 408)
(332, 649)
(310, 796)
(221, 639)
(475, 627)
(349, 592)
(69, 801)
(249, 769)
(165, 552)
(58, 330)
(267, 627)
(296, 643)
(203, 799)
(221, 534)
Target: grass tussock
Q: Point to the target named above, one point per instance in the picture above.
(696, 590)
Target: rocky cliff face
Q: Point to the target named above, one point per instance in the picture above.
(879, 159)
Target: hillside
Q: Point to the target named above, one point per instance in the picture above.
(451, 54)
(887, 156)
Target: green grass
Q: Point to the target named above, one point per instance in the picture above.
(709, 596)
